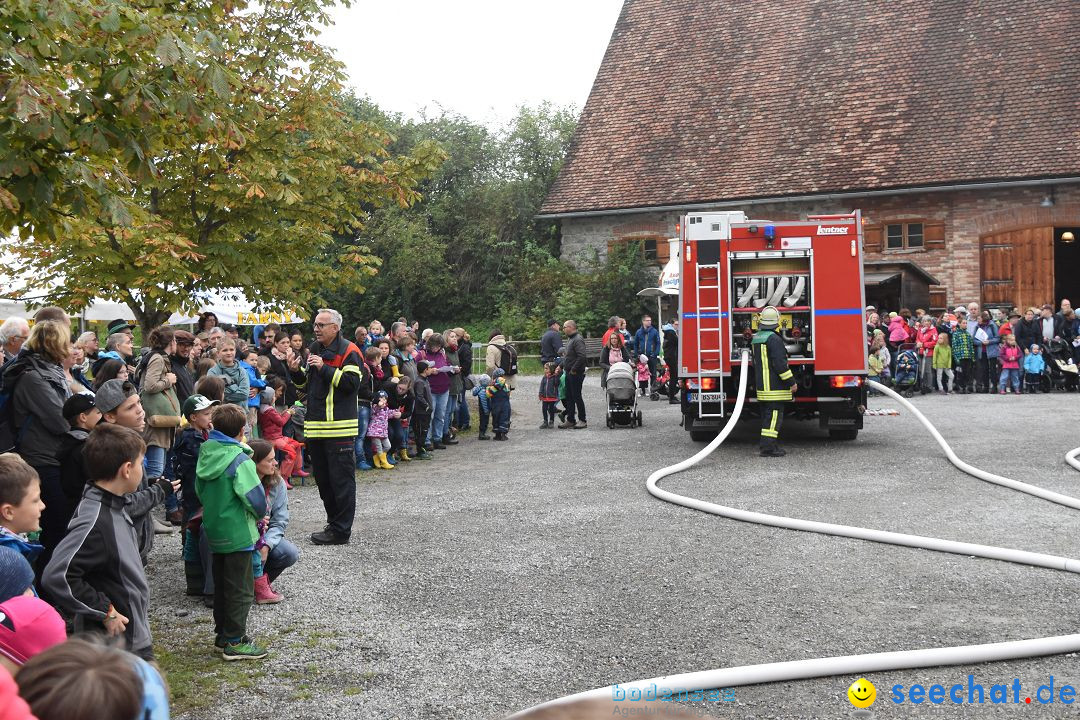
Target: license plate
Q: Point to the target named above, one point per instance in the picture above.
(707, 397)
(785, 321)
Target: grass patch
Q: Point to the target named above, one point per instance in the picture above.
(197, 676)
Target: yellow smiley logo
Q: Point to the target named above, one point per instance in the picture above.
(862, 693)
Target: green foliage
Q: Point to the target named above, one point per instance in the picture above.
(263, 185)
(471, 252)
(87, 90)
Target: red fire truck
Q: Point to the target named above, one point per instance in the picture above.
(811, 271)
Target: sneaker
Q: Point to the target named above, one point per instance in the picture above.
(243, 651)
(562, 416)
(329, 537)
(581, 425)
(543, 426)
(219, 642)
(449, 440)
(423, 455)
(363, 465)
(483, 436)
(567, 425)
(438, 446)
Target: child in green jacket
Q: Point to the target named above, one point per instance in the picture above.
(233, 502)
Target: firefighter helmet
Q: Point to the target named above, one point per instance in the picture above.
(769, 318)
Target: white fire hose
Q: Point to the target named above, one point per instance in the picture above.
(872, 662)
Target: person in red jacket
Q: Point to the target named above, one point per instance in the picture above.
(271, 423)
(925, 340)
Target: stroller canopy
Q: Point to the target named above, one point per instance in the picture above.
(621, 371)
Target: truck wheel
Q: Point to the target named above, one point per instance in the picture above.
(702, 435)
(843, 433)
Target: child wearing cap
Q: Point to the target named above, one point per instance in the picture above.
(549, 395)
(16, 575)
(422, 406)
(233, 499)
(20, 505)
(378, 430)
(498, 394)
(30, 626)
(644, 374)
(96, 577)
(1034, 367)
(119, 403)
(272, 426)
(197, 410)
(483, 405)
(83, 415)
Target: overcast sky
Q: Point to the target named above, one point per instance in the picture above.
(478, 58)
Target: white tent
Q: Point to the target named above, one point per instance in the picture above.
(97, 311)
(231, 307)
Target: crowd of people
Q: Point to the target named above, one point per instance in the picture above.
(975, 350)
(213, 428)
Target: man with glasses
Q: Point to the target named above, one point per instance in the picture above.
(332, 380)
(13, 333)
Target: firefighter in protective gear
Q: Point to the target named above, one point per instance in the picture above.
(773, 380)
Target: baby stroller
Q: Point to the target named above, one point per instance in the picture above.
(622, 396)
(907, 369)
(1062, 369)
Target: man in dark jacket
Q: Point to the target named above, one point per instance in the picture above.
(574, 365)
(647, 343)
(551, 343)
(773, 380)
(331, 379)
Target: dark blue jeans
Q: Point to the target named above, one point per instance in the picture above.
(500, 414)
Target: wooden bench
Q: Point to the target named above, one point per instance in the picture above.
(593, 347)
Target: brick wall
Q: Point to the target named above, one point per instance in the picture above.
(967, 216)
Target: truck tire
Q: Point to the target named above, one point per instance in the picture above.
(702, 435)
(843, 433)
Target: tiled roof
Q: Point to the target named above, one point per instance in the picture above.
(708, 100)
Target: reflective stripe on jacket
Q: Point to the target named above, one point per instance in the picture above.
(331, 390)
(772, 376)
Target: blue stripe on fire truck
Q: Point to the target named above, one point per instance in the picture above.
(839, 311)
(704, 315)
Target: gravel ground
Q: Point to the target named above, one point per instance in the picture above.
(505, 574)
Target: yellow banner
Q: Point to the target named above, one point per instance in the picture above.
(265, 318)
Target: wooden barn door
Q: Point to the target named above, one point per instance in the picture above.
(1018, 268)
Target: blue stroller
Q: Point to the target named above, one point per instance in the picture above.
(907, 369)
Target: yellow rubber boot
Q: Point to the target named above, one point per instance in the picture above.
(403, 455)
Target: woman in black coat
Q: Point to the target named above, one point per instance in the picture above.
(671, 357)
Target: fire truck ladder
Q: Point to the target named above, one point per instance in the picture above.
(709, 312)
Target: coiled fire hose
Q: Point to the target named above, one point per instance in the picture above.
(871, 662)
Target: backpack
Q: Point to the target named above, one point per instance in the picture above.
(508, 359)
(10, 434)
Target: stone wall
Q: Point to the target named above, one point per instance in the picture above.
(967, 215)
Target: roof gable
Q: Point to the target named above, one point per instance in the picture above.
(710, 100)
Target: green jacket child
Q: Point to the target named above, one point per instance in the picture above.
(233, 498)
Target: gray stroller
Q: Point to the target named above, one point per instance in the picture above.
(622, 396)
